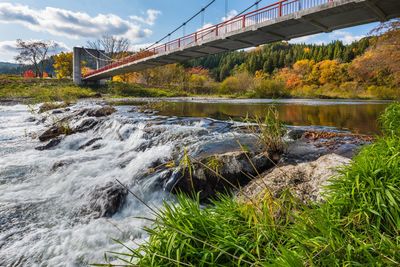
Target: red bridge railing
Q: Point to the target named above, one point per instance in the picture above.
(270, 12)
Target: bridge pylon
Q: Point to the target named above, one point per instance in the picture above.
(81, 53)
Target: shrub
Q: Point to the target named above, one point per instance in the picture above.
(383, 92)
(135, 90)
(270, 89)
(230, 85)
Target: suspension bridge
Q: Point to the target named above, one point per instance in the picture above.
(282, 20)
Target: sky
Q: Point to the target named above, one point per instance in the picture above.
(72, 23)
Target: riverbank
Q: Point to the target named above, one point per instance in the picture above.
(17, 89)
(355, 221)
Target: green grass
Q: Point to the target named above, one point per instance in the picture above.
(41, 90)
(358, 225)
(119, 89)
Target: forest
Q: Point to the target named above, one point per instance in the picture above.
(367, 68)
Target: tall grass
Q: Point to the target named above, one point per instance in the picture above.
(358, 225)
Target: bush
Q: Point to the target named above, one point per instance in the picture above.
(383, 92)
(135, 90)
(238, 84)
(230, 85)
(270, 89)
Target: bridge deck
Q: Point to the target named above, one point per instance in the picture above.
(281, 21)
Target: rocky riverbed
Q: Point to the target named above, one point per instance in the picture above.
(65, 174)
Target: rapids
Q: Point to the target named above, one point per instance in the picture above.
(41, 223)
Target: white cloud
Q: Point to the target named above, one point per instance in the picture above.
(151, 18)
(71, 24)
(346, 37)
(205, 26)
(325, 38)
(8, 49)
(231, 14)
(138, 47)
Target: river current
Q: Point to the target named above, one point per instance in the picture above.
(41, 223)
(44, 219)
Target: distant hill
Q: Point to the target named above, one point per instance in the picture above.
(9, 68)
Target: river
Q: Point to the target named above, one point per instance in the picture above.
(45, 218)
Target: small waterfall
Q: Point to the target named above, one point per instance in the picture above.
(46, 197)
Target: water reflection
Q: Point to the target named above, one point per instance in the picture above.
(357, 117)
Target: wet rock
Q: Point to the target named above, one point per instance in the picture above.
(295, 134)
(59, 164)
(89, 143)
(53, 143)
(106, 200)
(101, 112)
(53, 132)
(31, 119)
(57, 111)
(218, 173)
(85, 125)
(305, 180)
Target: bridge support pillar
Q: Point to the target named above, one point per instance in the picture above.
(76, 66)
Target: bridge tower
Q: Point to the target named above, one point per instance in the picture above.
(79, 54)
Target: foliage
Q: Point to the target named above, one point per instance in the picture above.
(390, 120)
(119, 89)
(268, 88)
(63, 65)
(278, 55)
(270, 131)
(239, 83)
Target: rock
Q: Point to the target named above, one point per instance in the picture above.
(89, 143)
(295, 134)
(31, 119)
(54, 142)
(101, 112)
(218, 173)
(106, 200)
(53, 132)
(57, 111)
(85, 125)
(305, 180)
(62, 163)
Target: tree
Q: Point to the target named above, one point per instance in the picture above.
(113, 46)
(63, 65)
(34, 53)
(380, 63)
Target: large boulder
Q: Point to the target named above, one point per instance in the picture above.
(218, 173)
(106, 200)
(305, 180)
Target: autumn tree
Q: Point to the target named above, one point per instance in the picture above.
(63, 65)
(35, 53)
(380, 64)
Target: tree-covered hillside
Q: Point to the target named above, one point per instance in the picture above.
(276, 56)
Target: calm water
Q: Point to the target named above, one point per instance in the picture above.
(357, 116)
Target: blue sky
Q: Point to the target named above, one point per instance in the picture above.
(72, 22)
